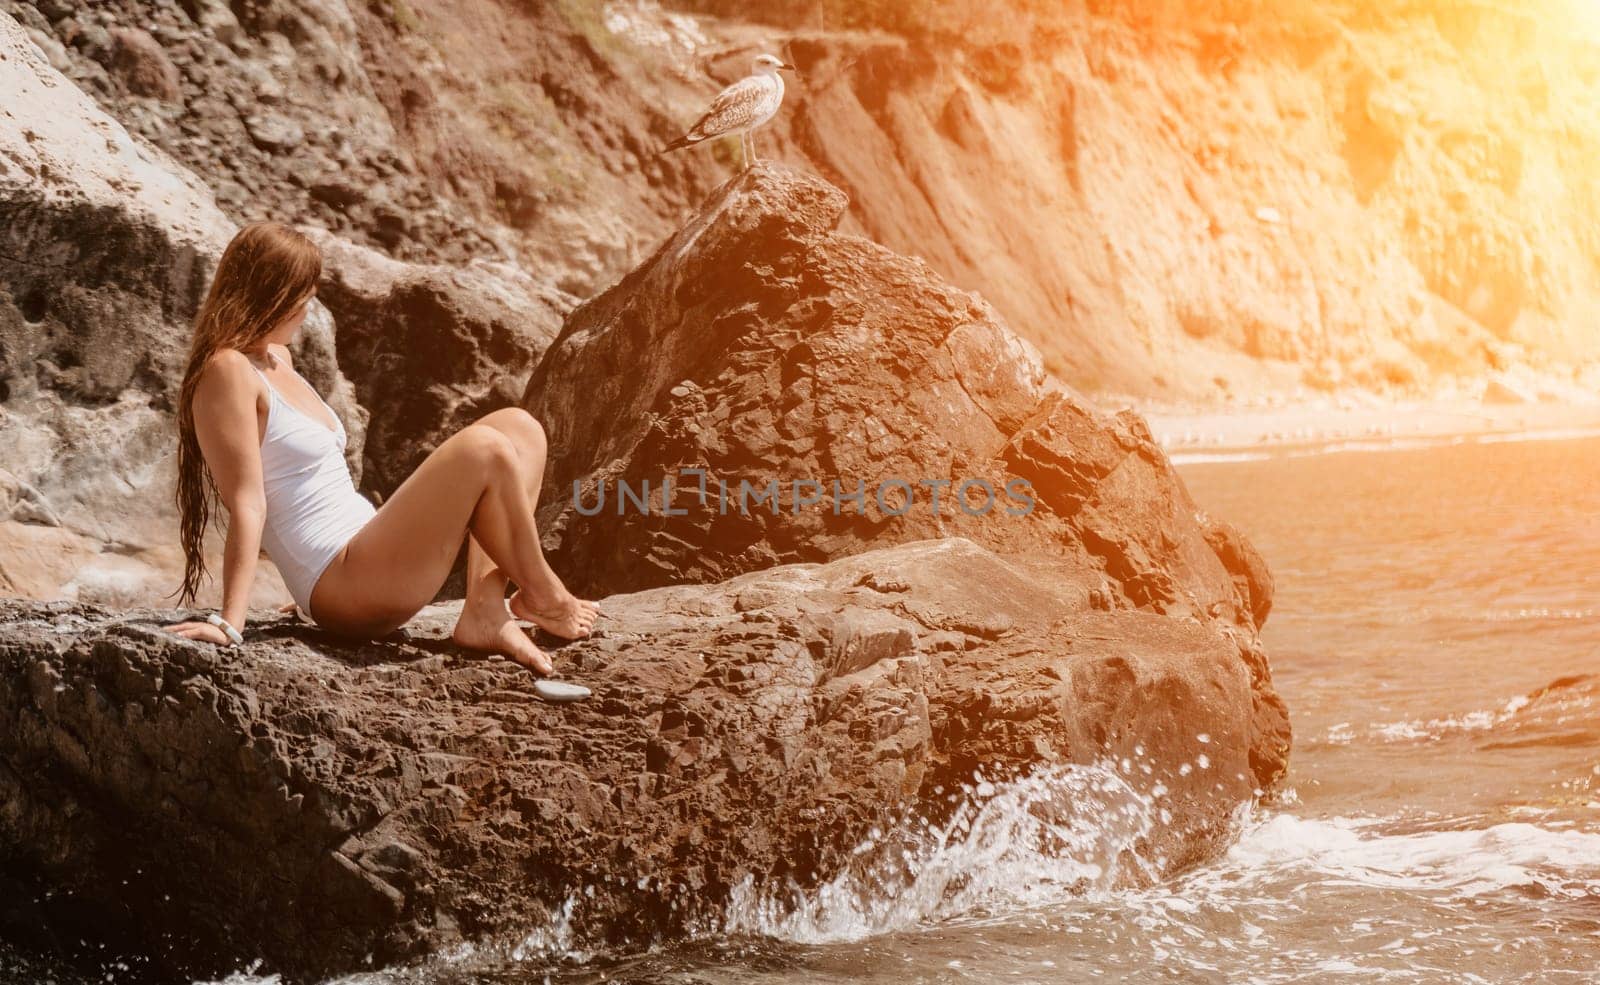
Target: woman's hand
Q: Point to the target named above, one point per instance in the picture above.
(199, 631)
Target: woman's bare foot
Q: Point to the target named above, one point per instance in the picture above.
(490, 628)
(570, 618)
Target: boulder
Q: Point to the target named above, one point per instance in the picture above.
(760, 349)
(430, 347)
(320, 804)
(143, 66)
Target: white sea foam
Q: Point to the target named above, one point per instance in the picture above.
(1207, 458)
(1539, 434)
(1061, 836)
(247, 976)
(1527, 614)
(1418, 729)
(1463, 863)
(1059, 832)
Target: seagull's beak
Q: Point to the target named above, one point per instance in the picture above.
(789, 68)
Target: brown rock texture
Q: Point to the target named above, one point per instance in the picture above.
(434, 346)
(760, 345)
(434, 131)
(311, 801)
(143, 66)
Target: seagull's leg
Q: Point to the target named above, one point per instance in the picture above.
(744, 150)
(753, 156)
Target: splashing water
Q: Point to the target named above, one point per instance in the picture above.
(1059, 831)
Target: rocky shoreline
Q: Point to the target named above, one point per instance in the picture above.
(319, 805)
(770, 684)
(325, 805)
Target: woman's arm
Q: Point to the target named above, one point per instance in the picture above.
(225, 424)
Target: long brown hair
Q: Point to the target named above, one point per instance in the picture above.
(267, 272)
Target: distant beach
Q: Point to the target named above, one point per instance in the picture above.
(1344, 423)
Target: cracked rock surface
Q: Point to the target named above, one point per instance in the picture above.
(312, 801)
(767, 350)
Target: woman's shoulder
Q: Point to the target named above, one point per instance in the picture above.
(227, 371)
(228, 363)
(234, 357)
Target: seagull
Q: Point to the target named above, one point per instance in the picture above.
(740, 108)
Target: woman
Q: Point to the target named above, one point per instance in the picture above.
(271, 450)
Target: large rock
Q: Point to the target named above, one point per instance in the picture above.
(431, 347)
(106, 247)
(315, 803)
(760, 345)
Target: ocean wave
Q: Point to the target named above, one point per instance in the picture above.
(1057, 833)
(1430, 729)
(1538, 434)
(1377, 445)
(1556, 862)
(1560, 697)
(1386, 443)
(1526, 614)
(1207, 458)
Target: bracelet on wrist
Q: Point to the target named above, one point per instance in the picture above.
(234, 638)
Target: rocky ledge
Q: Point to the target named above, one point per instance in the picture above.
(314, 802)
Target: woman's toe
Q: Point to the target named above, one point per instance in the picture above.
(533, 658)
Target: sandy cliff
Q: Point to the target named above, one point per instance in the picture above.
(1177, 207)
(1173, 203)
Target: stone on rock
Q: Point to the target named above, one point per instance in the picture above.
(143, 66)
(274, 133)
(216, 17)
(1502, 389)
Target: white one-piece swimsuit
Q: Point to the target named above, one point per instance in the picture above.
(313, 508)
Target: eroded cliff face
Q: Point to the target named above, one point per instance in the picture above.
(433, 131)
(1204, 201)
(1180, 203)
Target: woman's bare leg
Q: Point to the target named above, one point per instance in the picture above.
(486, 583)
(475, 481)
